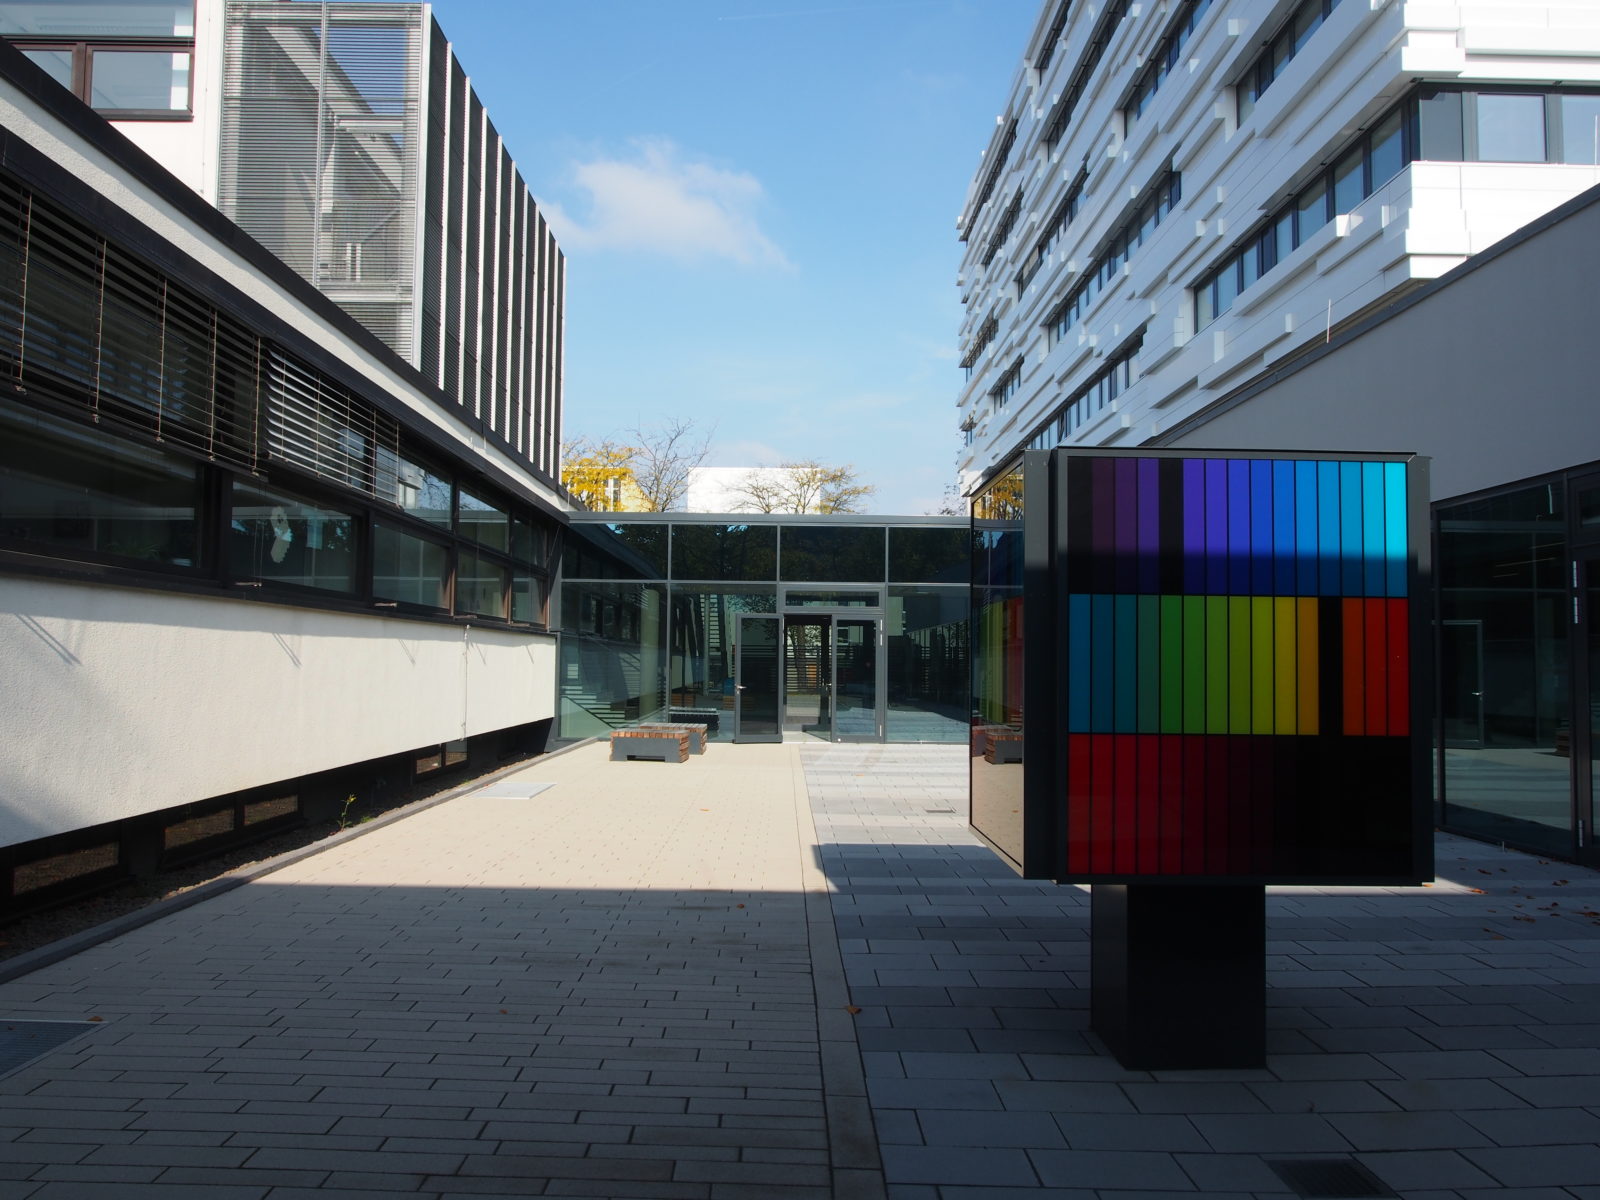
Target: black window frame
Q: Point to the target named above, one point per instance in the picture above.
(83, 51)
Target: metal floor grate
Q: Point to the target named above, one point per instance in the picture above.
(23, 1041)
(1329, 1179)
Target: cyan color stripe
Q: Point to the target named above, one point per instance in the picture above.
(1125, 659)
(1373, 521)
(1327, 528)
(1352, 577)
(1103, 626)
(1396, 544)
(1080, 651)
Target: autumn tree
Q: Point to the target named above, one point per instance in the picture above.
(802, 487)
(598, 474)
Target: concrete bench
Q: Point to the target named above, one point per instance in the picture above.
(697, 733)
(649, 743)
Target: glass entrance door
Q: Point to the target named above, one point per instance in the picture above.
(757, 679)
(857, 689)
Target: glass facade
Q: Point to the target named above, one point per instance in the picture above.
(1505, 671)
(874, 640)
(997, 675)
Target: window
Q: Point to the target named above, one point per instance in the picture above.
(1165, 57)
(1510, 128)
(482, 585)
(1150, 211)
(409, 570)
(1010, 383)
(1290, 39)
(71, 489)
(278, 538)
(1002, 229)
(1102, 388)
(1099, 40)
(484, 521)
(1054, 231)
(1580, 129)
(125, 59)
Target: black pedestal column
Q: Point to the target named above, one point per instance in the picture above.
(1179, 974)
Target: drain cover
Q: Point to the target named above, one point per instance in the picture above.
(1329, 1178)
(23, 1041)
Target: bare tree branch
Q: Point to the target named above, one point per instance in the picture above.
(664, 454)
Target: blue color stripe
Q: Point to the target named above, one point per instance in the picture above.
(1216, 526)
(1396, 543)
(1283, 527)
(1261, 527)
(1328, 528)
(1238, 527)
(1305, 518)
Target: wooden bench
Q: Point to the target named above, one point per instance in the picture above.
(697, 733)
(649, 743)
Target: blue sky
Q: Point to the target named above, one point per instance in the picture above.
(757, 199)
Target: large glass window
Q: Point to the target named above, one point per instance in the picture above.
(645, 545)
(701, 664)
(739, 553)
(1580, 129)
(72, 489)
(128, 59)
(482, 585)
(487, 522)
(419, 490)
(1505, 612)
(409, 569)
(614, 670)
(832, 554)
(929, 555)
(927, 635)
(275, 537)
(1510, 128)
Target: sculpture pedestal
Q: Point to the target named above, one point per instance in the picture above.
(1179, 974)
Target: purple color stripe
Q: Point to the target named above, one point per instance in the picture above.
(1149, 526)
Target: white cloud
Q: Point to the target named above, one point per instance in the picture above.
(661, 202)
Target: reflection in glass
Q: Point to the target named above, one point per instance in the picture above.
(1510, 128)
(1504, 615)
(75, 489)
(480, 585)
(996, 740)
(700, 669)
(88, 18)
(929, 555)
(485, 522)
(736, 553)
(56, 63)
(794, 599)
(930, 698)
(808, 675)
(150, 80)
(759, 673)
(832, 554)
(277, 537)
(614, 665)
(527, 598)
(645, 545)
(409, 569)
(855, 679)
(418, 490)
(1580, 129)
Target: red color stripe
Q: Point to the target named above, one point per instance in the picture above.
(1219, 795)
(1241, 817)
(1079, 800)
(1194, 804)
(1126, 822)
(1399, 667)
(1101, 814)
(1355, 703)
(1378, 666)
(1149, 804)
(1172, 781)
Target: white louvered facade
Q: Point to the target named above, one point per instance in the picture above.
(1180, 196)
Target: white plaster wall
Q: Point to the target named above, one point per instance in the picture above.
(1426, 221)
(119, 702)
(189, 148)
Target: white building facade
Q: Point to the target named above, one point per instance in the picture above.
(1180, 197)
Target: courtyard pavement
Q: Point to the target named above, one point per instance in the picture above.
(782, 971)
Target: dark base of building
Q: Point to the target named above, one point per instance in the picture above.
(68, 866)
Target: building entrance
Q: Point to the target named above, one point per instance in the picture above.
(827, 668)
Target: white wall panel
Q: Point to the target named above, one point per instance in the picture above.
(121, 702)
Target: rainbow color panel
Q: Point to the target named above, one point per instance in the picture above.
(1236, 639)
